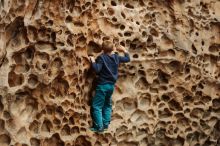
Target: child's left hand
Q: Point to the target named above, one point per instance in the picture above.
(92, 59)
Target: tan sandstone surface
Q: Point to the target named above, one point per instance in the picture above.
(168, 95)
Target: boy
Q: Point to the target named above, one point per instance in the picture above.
(106, 67)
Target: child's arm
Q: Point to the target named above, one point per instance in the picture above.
(96, 65)
(126, 57)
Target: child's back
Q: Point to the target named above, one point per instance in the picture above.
(106, 67)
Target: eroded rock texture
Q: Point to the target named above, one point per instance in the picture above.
(169, 94)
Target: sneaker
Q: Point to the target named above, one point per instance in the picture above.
(105, 128)
(96, 130)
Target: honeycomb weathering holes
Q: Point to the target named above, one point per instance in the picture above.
(168, 93)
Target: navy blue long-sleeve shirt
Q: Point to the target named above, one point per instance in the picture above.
(106, 67)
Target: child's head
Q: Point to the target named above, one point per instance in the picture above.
(107, 46)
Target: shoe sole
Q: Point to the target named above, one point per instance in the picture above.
(96, 131)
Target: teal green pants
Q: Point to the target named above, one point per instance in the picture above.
(102, 106)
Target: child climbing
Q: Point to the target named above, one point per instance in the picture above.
(106, 67)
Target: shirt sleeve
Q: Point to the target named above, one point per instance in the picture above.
(97, 65)
(124, 59)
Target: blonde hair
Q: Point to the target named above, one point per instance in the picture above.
(107, 46)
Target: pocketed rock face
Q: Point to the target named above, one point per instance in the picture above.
(169, 94)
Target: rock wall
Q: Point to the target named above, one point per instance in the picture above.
(169, 94)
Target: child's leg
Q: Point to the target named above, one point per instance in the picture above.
(107, 108)
(97, 105)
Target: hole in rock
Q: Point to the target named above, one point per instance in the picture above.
(142, 83)
(163, 88)
(126, 143)
(65, 130)
(1, 105)
(127, 34)
(140, 72)
(114, 19)
(65, 120)
(59, 111)
(217, 126)
(171, 52)
(35, 142)
(87, 4)
(33, 80)
(41, 45)
(197, 113)
(193, 137)
(82, 40)
(208, 142)
(53, 36)
(214, 48)
(187, 68)
(174, 105)
(165, 97)
(14, 79)
(123, 15)
(135, 56)
(56, 121)
(160, 133)
(165, 113)
(94, 47)
(122, 43)
(78, 23)
(44, 66)
(151, 112)
(128, 104)
(198, 93)
(163, 77)
(183, 121)
(75, 130)
(144, 33)
(2, 125)
(57, 63)
(5, 139)
(68, 19)
(129, 6)
(29, 53)
(110, 11)
(83, 7)
(54, 140)
(101, 14)
(49, 23)
(106, 38)
(154, 32)
(138, 116)
(174, 65)
(206, 99)
(145, 100)
(32, 33)
(46, 126)
(133, 46)
(70, 41)
(216, 103)
(18, 58)
(150, 39)
(82, 141)
(203, 43)
(113, 3)
(194, 50)
(49, 110)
